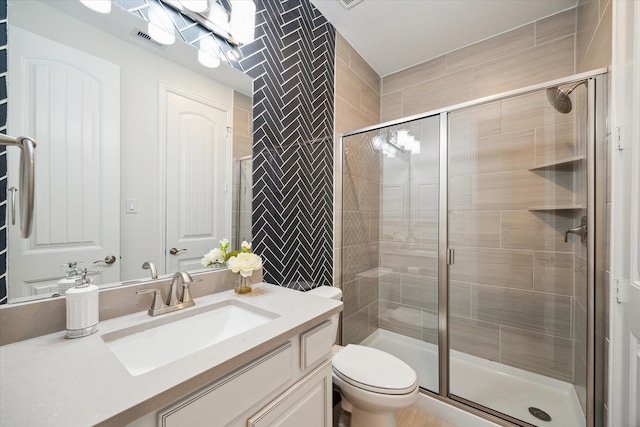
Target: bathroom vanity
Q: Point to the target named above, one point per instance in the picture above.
(268, 361)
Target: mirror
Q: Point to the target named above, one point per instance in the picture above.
(155, 147)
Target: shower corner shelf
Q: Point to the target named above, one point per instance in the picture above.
(566, 164)
(557, 208)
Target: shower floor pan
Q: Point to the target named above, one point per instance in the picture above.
(500, 387)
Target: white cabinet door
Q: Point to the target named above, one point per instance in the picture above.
(220, 403)
(69, 102)
(198, 174)
(307, 403)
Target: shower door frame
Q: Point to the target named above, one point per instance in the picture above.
(596, 174)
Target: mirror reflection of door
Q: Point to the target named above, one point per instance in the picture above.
(198, 176)
(77, 131)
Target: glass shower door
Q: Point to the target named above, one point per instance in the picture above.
(390, 243)
(517, 288)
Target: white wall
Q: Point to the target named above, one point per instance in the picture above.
(141, 71)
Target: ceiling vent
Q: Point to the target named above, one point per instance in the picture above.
(141, 35)
(348, 4)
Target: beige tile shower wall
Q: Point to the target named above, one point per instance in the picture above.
(537, 52)
(356, 233)
(593, 36)
(242, 140)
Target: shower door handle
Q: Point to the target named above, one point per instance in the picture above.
(580, 230)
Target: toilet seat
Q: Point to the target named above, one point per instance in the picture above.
(374, 370)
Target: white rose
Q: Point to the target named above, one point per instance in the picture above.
(215, 256)
(244, 263)
(246, 246)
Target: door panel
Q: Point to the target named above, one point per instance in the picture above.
(70, 104)
(198, 173)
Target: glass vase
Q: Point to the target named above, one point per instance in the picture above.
(244, 285)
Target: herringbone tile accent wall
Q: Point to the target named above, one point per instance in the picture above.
(292, 63)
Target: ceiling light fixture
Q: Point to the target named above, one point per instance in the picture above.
(101, 6)
(394, 143)
(198, 6)
(160, 25)
(208, 53)
(243, 20)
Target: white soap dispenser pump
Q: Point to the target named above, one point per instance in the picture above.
(82, 308)
(68, 282)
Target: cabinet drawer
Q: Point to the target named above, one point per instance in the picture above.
(227, 398)
(316, 343)
(307, 403)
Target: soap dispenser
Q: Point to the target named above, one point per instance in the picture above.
(82, 307)
(68, 282)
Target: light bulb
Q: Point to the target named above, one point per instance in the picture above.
(414, 145)
(101, 6)
(160, 25)
(195, 5)
(208, 53)
(243, 20)
(402, 137)
(219, 16)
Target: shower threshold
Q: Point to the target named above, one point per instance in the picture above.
(494, 385)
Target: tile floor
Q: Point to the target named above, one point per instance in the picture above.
(410, 417)
(414, 417)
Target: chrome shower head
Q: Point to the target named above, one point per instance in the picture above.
(559, 99)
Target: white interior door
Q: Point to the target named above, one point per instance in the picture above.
(69, 102)
(633, 313)
(631, 305)
(198, 174)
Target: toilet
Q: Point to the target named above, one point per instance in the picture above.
(373, 384)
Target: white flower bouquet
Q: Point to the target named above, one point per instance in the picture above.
(244, 263)
(216, 256)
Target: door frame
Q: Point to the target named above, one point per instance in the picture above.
(624, 256)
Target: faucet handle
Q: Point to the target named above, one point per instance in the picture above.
(157, 303)
(186, 291)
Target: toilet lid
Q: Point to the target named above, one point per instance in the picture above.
(374, 370)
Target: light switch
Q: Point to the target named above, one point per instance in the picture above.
(131, 206)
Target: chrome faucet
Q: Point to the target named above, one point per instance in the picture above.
(149, 265)
(173, 303)
(172, 298)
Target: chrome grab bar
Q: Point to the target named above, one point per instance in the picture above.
(27, 178)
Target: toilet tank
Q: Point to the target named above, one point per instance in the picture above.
(330, 292)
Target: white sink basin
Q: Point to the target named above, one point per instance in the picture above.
(150, 345)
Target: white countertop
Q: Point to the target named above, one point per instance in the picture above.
(50, 380)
